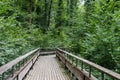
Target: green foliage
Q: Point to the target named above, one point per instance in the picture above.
(91, 29)
(100, 42)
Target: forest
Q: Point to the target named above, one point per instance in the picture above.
(87, 28)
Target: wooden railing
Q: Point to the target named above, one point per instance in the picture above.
(76, 66)
(80, 68)
(18, 68)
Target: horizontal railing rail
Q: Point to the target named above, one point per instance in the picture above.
(75, 60)
(17, 68)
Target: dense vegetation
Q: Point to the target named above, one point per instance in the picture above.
(89, 28)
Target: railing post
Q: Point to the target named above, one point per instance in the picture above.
(17, 77)
(102, 76)
(64, 54)
(65, 65)
(3, 76)
(26, 59)
(90, 70)
(83, 77)
(72, 60)
(32, 64)
(12, 71)
(38, 55)
(19, 64)
(76, 62)
(67, 56)
(23, 62)
(82, 66)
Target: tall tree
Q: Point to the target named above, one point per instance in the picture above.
(45, 12)
(72, 8)
(31, 10)
(49, 13)
(59, 14)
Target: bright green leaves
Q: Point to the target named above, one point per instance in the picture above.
(102, 27)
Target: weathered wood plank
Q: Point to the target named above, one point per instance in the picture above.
(47, 68)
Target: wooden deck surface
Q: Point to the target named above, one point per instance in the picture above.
(47, 68)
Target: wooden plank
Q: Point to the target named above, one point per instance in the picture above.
(47, 68)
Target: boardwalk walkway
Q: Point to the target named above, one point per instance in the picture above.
(47, 68)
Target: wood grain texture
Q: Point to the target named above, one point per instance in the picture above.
(47, 68)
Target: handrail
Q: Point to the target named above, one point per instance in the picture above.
(65, 57)
(93, 65)
(10, 64)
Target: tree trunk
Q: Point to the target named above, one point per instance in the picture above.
(59, 13)
(45, 14)
(73, 6)
(68, 12)
(49, 14)
(30, 10)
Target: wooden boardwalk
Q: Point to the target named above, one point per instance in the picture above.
(47, 68)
